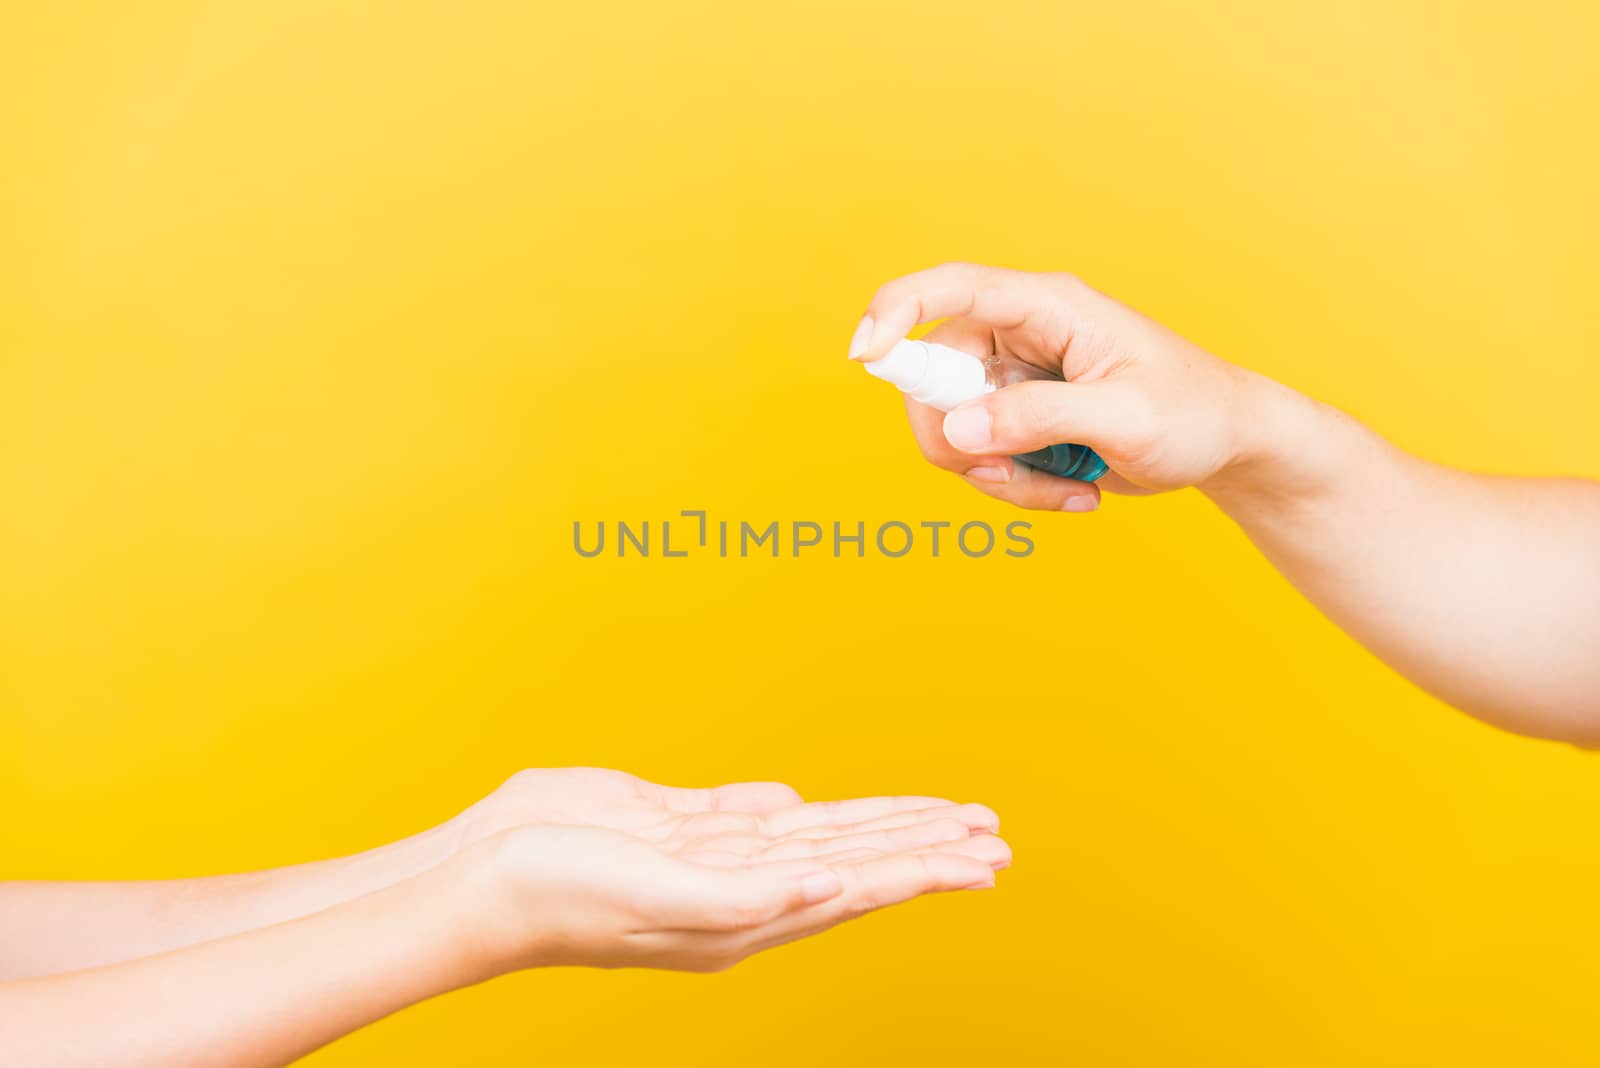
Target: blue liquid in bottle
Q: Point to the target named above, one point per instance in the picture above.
(1066, 461)
(943, 378)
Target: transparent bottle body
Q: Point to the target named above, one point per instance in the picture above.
(1065, 460)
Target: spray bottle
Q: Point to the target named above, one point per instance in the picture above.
(944, 378)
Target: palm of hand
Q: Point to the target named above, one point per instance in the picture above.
(614, 870)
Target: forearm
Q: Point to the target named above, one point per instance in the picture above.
(49, 927)
(1485, 591)
(265, 997)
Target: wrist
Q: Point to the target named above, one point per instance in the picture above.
(1289, 449)
(469, 916)
(497, 929)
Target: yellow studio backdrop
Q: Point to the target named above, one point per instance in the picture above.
(323, 323)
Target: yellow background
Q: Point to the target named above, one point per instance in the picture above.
(322, 323)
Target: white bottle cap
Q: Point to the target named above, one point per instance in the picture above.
(936, 375)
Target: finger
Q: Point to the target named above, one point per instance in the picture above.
(878, 883)
(1027, 487)
(969, 336)
(988, 848)
(991, 849)
(949, 824)
(875, 882)
(973, 817)
(739, 845)
(998, 297)
(999, 475)
(848, 856)
(710, 899)
(757, 798)
(889, 840)
(844, 813)
(927, 427)
(1107, 415)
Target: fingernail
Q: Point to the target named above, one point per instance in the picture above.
(989, 474)
(969, 428)
(981, 884)
(1086, 502)
(820, 887)
(859, 339)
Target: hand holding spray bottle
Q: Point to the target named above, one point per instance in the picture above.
(944, 378)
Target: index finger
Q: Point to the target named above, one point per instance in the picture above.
(755, 798)
(844, 813)
(995, 296)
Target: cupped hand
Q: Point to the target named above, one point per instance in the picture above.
(1161, 411)
(603, 869)
(616, 800)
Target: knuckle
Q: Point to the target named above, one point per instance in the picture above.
(948, 830)
(1019, 416)
(939, 456)
(884, 296)
(1005, 420)
(895, 292)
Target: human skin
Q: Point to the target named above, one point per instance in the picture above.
(557, 867)
(1483, 590)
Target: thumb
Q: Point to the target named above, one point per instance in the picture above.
(723, 899)
(1032, 415)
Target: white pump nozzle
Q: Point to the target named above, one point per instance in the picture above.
(936, 375)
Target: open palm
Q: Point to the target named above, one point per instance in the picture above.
(603, 868)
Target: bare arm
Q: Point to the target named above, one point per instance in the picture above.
(1485, 591)
(264, 997)
(573, 866)
(48, 927)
